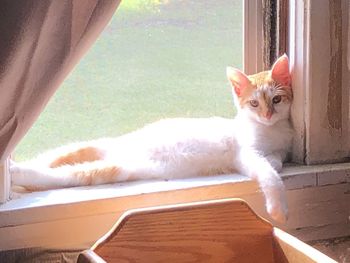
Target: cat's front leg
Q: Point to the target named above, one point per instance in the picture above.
(257, 167)
(276, 160)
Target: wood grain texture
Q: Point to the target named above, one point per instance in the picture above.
(208, 232)
(334, 105)
(319, 206)
(319, 32)
(327, 100)
(275, 30)
(283, 26)
(213, 231)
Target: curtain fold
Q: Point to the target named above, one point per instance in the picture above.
(40, 43)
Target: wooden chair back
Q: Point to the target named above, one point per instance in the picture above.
(215, 231)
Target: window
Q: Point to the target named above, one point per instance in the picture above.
(155, 59)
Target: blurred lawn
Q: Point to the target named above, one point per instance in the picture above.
(156, 59)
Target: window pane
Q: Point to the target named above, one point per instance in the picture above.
(156, 59)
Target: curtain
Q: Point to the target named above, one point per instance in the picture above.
(40, 43)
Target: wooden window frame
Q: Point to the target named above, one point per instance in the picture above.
(253, 38)
(319, 55)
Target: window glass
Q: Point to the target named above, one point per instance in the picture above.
(156, 59)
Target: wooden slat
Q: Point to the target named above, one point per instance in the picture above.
(319, 206)
(220, 231)
(290, 249)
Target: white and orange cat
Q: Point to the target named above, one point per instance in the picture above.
(254, 143)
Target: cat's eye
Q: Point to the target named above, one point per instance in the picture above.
(276, 99)
(254, 103)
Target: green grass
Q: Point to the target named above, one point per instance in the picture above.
(140, 5)
(156, 59)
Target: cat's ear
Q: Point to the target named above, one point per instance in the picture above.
(280, 71)
(238, 80)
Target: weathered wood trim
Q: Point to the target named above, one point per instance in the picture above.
(5, 181)
(334, 101)
(275, 30)
(327, 127)
(283, 26)
(319, 55)
(270, 28)
(299, 63)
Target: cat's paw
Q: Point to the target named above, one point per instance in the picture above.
(278, 211)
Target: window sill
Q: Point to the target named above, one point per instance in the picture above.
(76, 217)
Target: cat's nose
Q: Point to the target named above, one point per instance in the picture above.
(268, 115)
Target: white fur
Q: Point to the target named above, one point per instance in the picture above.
(250, 144)
(177, 148)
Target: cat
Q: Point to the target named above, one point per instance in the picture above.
(254, 143)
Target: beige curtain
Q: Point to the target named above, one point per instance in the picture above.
(40, 42)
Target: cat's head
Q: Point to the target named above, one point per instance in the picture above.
(266, 96)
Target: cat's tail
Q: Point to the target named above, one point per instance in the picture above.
(71, 154)
(35, 178)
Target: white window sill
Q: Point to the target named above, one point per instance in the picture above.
(87, 207)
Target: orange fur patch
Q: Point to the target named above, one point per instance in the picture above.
(88, 154)
(97, 173)
(259, 80)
